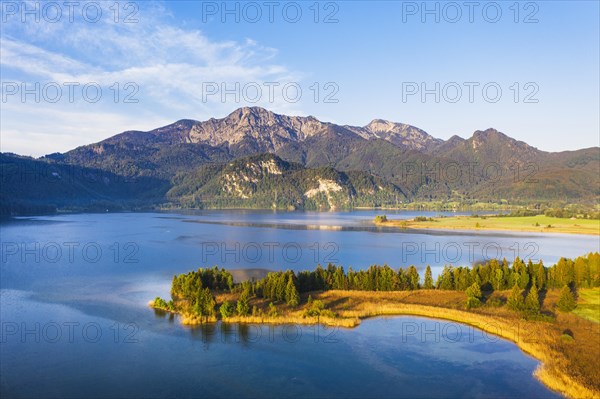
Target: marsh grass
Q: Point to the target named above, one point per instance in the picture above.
(539, 223)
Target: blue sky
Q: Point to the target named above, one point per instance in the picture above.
(365, 60)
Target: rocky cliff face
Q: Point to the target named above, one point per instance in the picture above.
(266, 130)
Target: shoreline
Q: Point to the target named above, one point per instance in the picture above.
(522, 333)
(459, 223)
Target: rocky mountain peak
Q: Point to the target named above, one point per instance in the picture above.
(489, 133)
(267, 130)
(252, 114)
(381, 125)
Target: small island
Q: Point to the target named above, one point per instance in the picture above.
(535, 223)
(552, 313)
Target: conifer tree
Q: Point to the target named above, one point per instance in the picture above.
(446, 279)
(291, 293)
(413, 278)
(515, 299)
(428, 283)
(566, 302)
(540, 275)
(532, 302)
(243, 307)
(474, 291)
(523, 279)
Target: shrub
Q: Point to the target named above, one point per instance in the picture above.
(473, 296)
(423, 219)
(160, 303)
(473, 302)
(272, 310)
(494, 302)
(316, 308)
(227, 309)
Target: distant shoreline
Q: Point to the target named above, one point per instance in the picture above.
(531, 224)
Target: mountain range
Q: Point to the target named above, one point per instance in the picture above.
(257, 158)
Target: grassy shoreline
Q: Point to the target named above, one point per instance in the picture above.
(568, 367)
(538, 224)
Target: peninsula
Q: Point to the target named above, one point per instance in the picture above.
(527, 303)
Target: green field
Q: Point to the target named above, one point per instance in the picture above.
(539, 223)
(588, 304)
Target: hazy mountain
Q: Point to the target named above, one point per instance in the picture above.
(31, 186)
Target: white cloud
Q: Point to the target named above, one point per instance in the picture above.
(170, 65)
(62, 130)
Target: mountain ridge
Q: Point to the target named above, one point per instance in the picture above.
(488, 166)
(256, 121)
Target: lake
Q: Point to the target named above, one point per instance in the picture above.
(75, 321)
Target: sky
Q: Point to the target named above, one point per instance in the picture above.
(76, 74)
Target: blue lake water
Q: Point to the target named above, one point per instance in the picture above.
(75, 322)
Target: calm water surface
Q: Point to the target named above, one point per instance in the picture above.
(75, 322)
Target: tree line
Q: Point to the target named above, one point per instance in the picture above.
(194, 290)
(494, 275)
